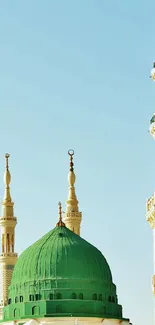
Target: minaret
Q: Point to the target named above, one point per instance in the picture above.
(150, 204)
(7, 223)
(72, 216)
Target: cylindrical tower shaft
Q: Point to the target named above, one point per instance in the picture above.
(8, 223)
(150, 216)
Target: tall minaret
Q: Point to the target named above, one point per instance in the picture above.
(7, 223)
(72, 216)
(150, 204)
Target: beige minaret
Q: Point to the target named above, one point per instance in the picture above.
(8, 223)
(72, 216)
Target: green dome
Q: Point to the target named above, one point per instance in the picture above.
(61, 254)
(62, 275)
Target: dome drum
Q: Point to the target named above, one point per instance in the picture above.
(64, 308)
(66, 291)
(58, 294)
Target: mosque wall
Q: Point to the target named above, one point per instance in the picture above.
(115, 322)
(69, 321)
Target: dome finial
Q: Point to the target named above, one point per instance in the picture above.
(7, 155)
(60, 211)
(71, 154)
(60, 223)
(7, 179)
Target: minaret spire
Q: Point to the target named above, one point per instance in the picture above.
(60, 223)
(7, 180)
(7, 223)
(72, 215)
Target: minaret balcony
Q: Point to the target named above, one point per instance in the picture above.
(8, 221)
(75, 214)
(8, 258)
(73, 217)
(8, 255)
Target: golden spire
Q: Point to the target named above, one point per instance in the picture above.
(7, 180)
(72, 202)
(60, 223)
(72, 215)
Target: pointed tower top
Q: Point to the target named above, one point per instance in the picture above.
(7, 155)
(60, 223)
(71, 154)
(7, 180)
(72, 215)
(71, 175)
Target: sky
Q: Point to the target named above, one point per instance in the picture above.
(75, 74)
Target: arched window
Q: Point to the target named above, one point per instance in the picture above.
(109, 298)
(31, 298)
(51, 296)
(16, 313)
(94, 296)
(16, 300)
(113, 299)
(7, 243)
(21, 299)
(58, 296)
(12, 243)
(9, 301)
(74, 295)
(100, 297)
(35, 310)
(3, 240)
(37, 296)
(81, 296)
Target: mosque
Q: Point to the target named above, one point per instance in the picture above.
(60, 279)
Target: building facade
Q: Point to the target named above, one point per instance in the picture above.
(61, 278)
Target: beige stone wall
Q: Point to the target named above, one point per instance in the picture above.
(71, 321)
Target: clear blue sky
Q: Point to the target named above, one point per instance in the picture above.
(74, 74)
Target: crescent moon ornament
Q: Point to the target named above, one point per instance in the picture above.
(71, 152)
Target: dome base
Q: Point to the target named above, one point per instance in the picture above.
(62, 308)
